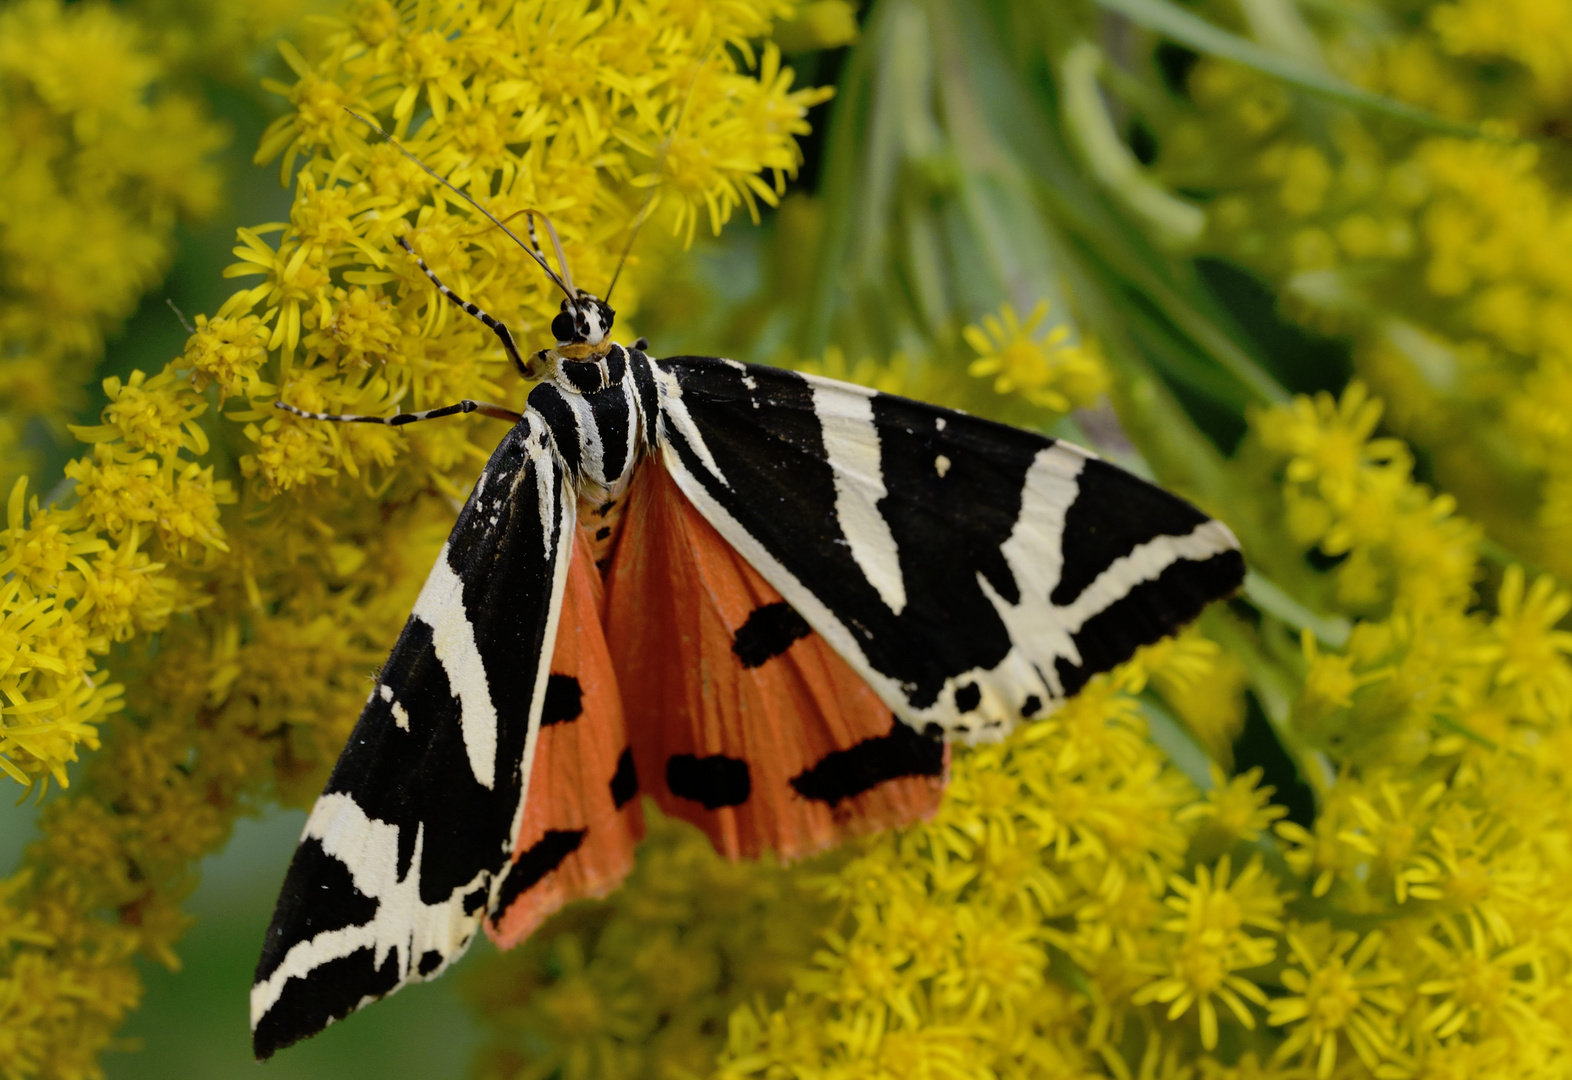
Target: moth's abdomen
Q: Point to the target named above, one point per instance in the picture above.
(601, 517)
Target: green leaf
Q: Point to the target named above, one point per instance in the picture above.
(1172, 21)
(1330, 630)
(1177, 741)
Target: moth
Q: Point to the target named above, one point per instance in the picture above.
(766, 600)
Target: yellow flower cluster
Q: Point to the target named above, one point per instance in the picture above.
(270, 612)
(100, 158)
(643, 986)
(1350, 496)
(575, 109)
(1447, 733)
(1534, 33)
(1046, 923)
(1443, 257)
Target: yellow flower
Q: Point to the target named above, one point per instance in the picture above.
(1236, 806)
(1049, 371)
(1480, 988)
(230, 353)
(1328, 443)
(1352, 495)
(1213, 946)
(1531, 654)
(1390, 824)
(1336, 994)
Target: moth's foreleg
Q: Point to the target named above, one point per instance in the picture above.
(485, 408)
(470, 309)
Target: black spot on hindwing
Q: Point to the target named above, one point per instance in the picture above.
(544, 856)
(430, 960)
(968, 697)
(768, 632)
(625, 781)
(844, 773)
(712, 782)
(564, 700)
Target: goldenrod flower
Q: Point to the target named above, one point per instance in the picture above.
(1529, 650)
(1211, 945)
(1339, 989)
(1480, 988)
(1239, 807)
(1049, 371)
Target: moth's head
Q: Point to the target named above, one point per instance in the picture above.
(583, 320)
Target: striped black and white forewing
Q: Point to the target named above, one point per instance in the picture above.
(402, 854)
(973, 573)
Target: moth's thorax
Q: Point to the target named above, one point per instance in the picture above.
(595, 422)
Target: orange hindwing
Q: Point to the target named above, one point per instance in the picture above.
(742, 720)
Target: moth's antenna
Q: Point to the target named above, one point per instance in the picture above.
(556, 245)
(644, 211)
(534, 241)
(552, 274)
(185, 322)
(633, 234)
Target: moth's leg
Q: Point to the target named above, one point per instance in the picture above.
(485, 408)
(470, 309)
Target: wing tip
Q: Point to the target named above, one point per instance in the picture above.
(267, 1039)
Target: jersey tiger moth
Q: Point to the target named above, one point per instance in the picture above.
(766, 600)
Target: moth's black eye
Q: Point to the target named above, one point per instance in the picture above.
(562, 326)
